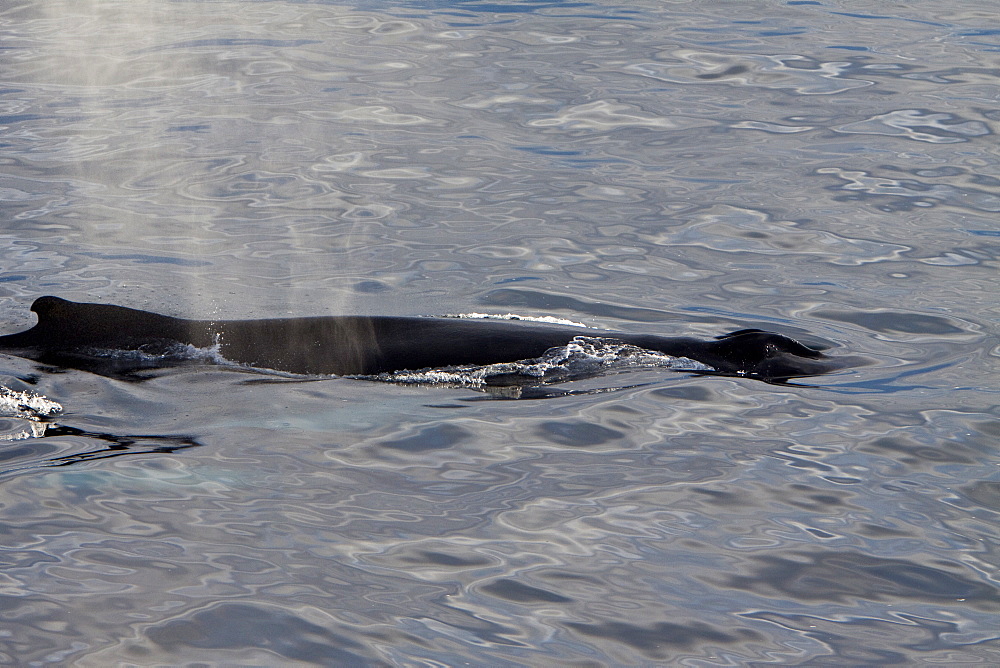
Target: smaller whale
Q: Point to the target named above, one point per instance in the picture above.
(79, 335)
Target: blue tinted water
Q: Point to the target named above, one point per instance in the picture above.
(824, 169)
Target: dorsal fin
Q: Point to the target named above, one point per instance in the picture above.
(45, 332)
(65, 324)
(46, 306)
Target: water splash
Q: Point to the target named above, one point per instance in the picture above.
(22, 414)
(158, 355)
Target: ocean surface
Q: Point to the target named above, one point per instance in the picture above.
(826, 169)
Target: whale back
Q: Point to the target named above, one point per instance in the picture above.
(67, 334)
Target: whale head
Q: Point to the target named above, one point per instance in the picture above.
(768, 356)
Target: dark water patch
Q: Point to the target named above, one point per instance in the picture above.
(657, 640)
(12, 119)
(161, 569)
(430, 438)
(13, 559)
(371, 287)
(685, 393)
(512, 590)
(817, 500)
(189, 128)
(895, 321)
(722, 498)
(906, 450)
(863, 640)
(985, 494)
(228, 42)
(142, 258)
(939, 172)
(27, 451)
(428, 557)
(884, 17)
(241, 625)
(577, 434)
(985, 180)
(483, 12)
(880, 531)
(546, 150)
(730, 71)
(814, 500)
(842, 577)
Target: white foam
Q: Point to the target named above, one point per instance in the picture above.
(552, 320)
(583, 356)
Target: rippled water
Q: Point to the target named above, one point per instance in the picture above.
(823, 169)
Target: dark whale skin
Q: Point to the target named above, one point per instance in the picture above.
(67, 332)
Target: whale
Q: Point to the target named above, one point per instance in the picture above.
(80, 335)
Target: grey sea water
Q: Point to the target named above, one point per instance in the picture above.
(825, 169)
